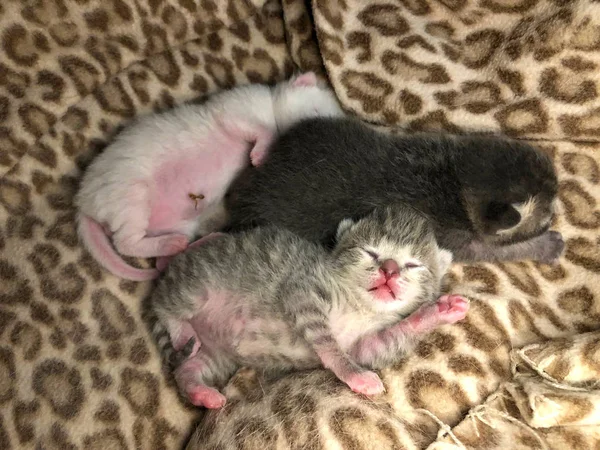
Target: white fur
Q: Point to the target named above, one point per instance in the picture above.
(116, 187)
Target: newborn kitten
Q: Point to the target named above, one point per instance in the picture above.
(269, 299)
(162, 181)
(489, 198)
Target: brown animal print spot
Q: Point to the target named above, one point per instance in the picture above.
(6, 318)
(581, 165)
(14, 288)
(362, 41)
(578, 64)
(108, 412)
(113, 316)
(424, 388)
(513, 79)
(107, 439)
(356, 430)
(415, 40)
(25, 415)
(516, 6)
(417, 7)
(54, 85)
(19, 46)
(113, 98)
(435, 341)
(580, 207)
(165, 68)
(14, 196)
(522, 321)
(527, 116)
(576, 301)
(139, 353)
(7, 375)
(61, 386)
(412, 103)
(480, 97)
(63, 230)
(64, 34)
(153, 433)
(464, 364)
(581, 125)
(100, 381)
(584, 253)
(567, 89)
(88, 353)
(480, 46)
(220, 70)
(286, 406)
(400, 63)
(28, 338)
(332, 48)
(368, 88)
(519, 276)
(332, 12)
(433, 121)
(140, 389)
(481, 279)
(385, 18)
(84, 75)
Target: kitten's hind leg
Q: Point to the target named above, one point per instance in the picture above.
(545, 248)
(196, 375)
(313, 325)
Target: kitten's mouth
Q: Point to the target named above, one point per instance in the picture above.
(386, 291)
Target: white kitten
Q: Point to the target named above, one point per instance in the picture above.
(162, 181)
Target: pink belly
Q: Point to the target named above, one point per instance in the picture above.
(183, 185)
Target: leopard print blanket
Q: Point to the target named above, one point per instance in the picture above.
(77, 366)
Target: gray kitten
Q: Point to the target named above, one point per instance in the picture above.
(488, 198)
(269, 299)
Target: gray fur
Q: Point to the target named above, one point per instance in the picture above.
(267, 298)
(483, 193)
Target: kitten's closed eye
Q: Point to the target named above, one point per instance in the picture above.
(413, 265)
(371, 253)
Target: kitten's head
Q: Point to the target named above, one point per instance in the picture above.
(301, 97)
(510, 191)
(393, 257)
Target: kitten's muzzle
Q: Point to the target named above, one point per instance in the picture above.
(389, 268)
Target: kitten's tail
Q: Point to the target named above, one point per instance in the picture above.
(99, 245)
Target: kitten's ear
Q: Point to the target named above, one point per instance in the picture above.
(500, 216)
(444, 260)
(344, 226)
(307, 79)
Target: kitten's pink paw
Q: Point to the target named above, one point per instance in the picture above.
(174, 244)
(205, 396)
(452, 308)
(367, 383)
(258, 156)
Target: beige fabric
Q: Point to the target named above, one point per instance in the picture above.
(77, 366)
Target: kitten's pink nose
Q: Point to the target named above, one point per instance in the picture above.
(389, 267)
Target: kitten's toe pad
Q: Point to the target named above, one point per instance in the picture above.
(162, 262)
(367, 383)
(452, 308)
(205, 396)
(551, 245)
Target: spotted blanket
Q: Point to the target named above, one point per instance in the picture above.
(77, 366)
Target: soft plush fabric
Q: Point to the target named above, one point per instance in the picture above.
(77, 366)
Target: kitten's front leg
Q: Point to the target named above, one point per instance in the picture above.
(313, 326)
(382, 348)
(260, 136)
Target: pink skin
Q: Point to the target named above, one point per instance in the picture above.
(163, 261)
(189, 376)
(447, 310)
(162, 229)
(387, 286)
